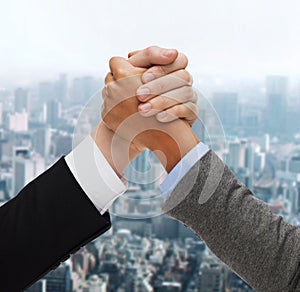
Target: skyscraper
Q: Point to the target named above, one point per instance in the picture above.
(60, 279)
(140, 172)
(211, 276)
(226, 106)
(26, 167)
(21, 100)
(62, 89)
(235, 157)
(46, 91)
(53, 112)
(18, 122)
(40, 286)
(1, 113)
(82, 89)
(42, 141)
(276, 111)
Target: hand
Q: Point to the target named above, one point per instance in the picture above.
(104, 137)
(172, 140)
(167, 106)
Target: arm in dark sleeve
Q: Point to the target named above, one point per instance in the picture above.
(240, 229)
(48, 220)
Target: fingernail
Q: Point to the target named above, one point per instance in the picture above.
(145, 107)
(162, 115)
(168, 53)
(148, 77)
(143, 92)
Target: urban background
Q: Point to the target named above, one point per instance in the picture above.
(244, 58)
(156, 253)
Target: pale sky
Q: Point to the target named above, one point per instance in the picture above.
(220, 37)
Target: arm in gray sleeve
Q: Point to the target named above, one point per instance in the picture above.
(240, 229)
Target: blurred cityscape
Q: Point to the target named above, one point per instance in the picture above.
(148, 251)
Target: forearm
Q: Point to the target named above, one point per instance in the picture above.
(171, 142)
(240, 229)
(47, 221)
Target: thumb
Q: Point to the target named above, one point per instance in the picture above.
(152, 56)
(121, 68)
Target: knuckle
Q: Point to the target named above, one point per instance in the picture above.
(186, 76)
(183, 60)
(191, 79)
(112, 60)
(108, 90)
(104, 92)
(107, 78)
(157, 87)
(159, 71)
(177, 111)
(194, 96)
(150, 50)
(190, 96)
(120, 72)
(192, 110)
(102, 110)
(183, 75)
(161, 102)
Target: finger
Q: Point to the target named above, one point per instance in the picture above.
(133, 53)
(153, 56)
(104, 106)
(162, 102)
(160, 70)
(120, 67)
(188, 111)
(109, 78)
(164, 84)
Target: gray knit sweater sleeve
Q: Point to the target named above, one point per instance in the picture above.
(240, 229)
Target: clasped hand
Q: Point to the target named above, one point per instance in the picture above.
(149, 102)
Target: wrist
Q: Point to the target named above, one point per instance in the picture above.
(171, 143)
(117, 151)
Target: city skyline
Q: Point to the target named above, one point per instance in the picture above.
(37, 127)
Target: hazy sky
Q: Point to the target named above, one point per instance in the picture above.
(221, 37)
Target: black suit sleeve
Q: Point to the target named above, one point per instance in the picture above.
(47, 221)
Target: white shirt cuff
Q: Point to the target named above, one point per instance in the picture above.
(182, 168)
(94, 174)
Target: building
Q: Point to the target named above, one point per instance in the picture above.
(59, 279)
(83, 89)
(62, 89)
(18, 122)
(276, 111)
(250, 118)
(164, 227)
(62, 144)
(226, 106)
(26, 167)
(53, 112)
(144, 171)
(94, 284)
(39, 286)
(169, 286)
(1, 113)
(294, 164)
(211, 276)
(235, 159)
(21, 100)
(46, 92)
(42, 141)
